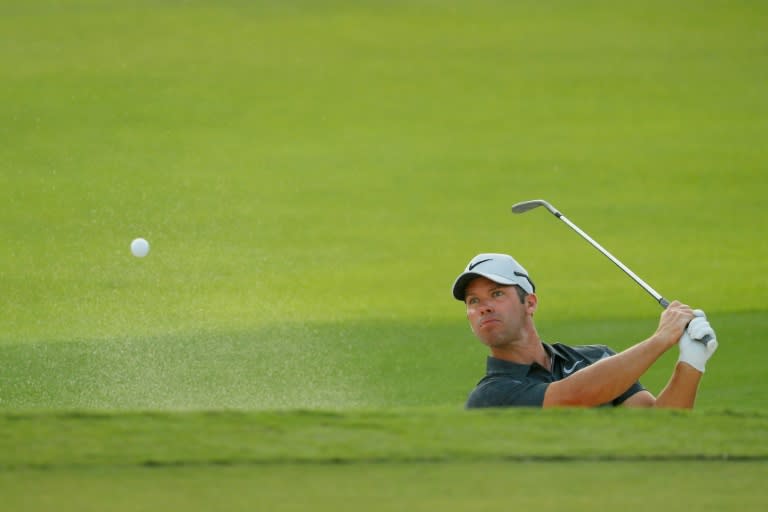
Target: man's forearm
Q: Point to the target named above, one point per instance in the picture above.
(606, 379)
(680, 391)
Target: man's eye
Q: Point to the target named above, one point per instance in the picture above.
(472, 300)
(497, 293)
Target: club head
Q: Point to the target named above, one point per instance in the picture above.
(535, 203)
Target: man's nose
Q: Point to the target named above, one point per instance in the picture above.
(485, 307)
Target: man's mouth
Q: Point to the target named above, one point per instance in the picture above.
(486, 321)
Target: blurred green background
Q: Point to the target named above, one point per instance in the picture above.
(313, 175)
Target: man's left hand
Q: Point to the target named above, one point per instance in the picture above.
(693, 352)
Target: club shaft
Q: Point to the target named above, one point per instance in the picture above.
(645, 286)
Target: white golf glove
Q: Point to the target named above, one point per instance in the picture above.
(693, 352)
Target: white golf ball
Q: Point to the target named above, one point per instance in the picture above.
(140, 247)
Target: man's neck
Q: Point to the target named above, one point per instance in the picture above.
(527, 351)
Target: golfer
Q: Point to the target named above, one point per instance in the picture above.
(522, 370)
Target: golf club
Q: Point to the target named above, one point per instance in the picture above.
(535, 203)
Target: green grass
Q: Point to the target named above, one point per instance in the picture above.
(343, 161)
(383, 460)
(79, 440)
(392, 487)
(312, 176)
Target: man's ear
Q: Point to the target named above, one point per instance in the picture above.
(531, 302)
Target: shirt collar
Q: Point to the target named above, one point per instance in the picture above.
(554, 351)
(496, 366)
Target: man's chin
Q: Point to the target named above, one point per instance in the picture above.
(494, 341)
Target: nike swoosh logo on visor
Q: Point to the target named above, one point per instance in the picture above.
(473, 265)
(568, 371)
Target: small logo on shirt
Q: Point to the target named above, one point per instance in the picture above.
(570, 370)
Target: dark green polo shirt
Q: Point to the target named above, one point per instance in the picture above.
(510, 384)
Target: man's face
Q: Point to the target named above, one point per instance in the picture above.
(494, 312)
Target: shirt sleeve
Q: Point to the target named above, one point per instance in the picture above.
(506, 392)
(634, 388)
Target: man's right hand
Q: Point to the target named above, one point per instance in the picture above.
(673, 322)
